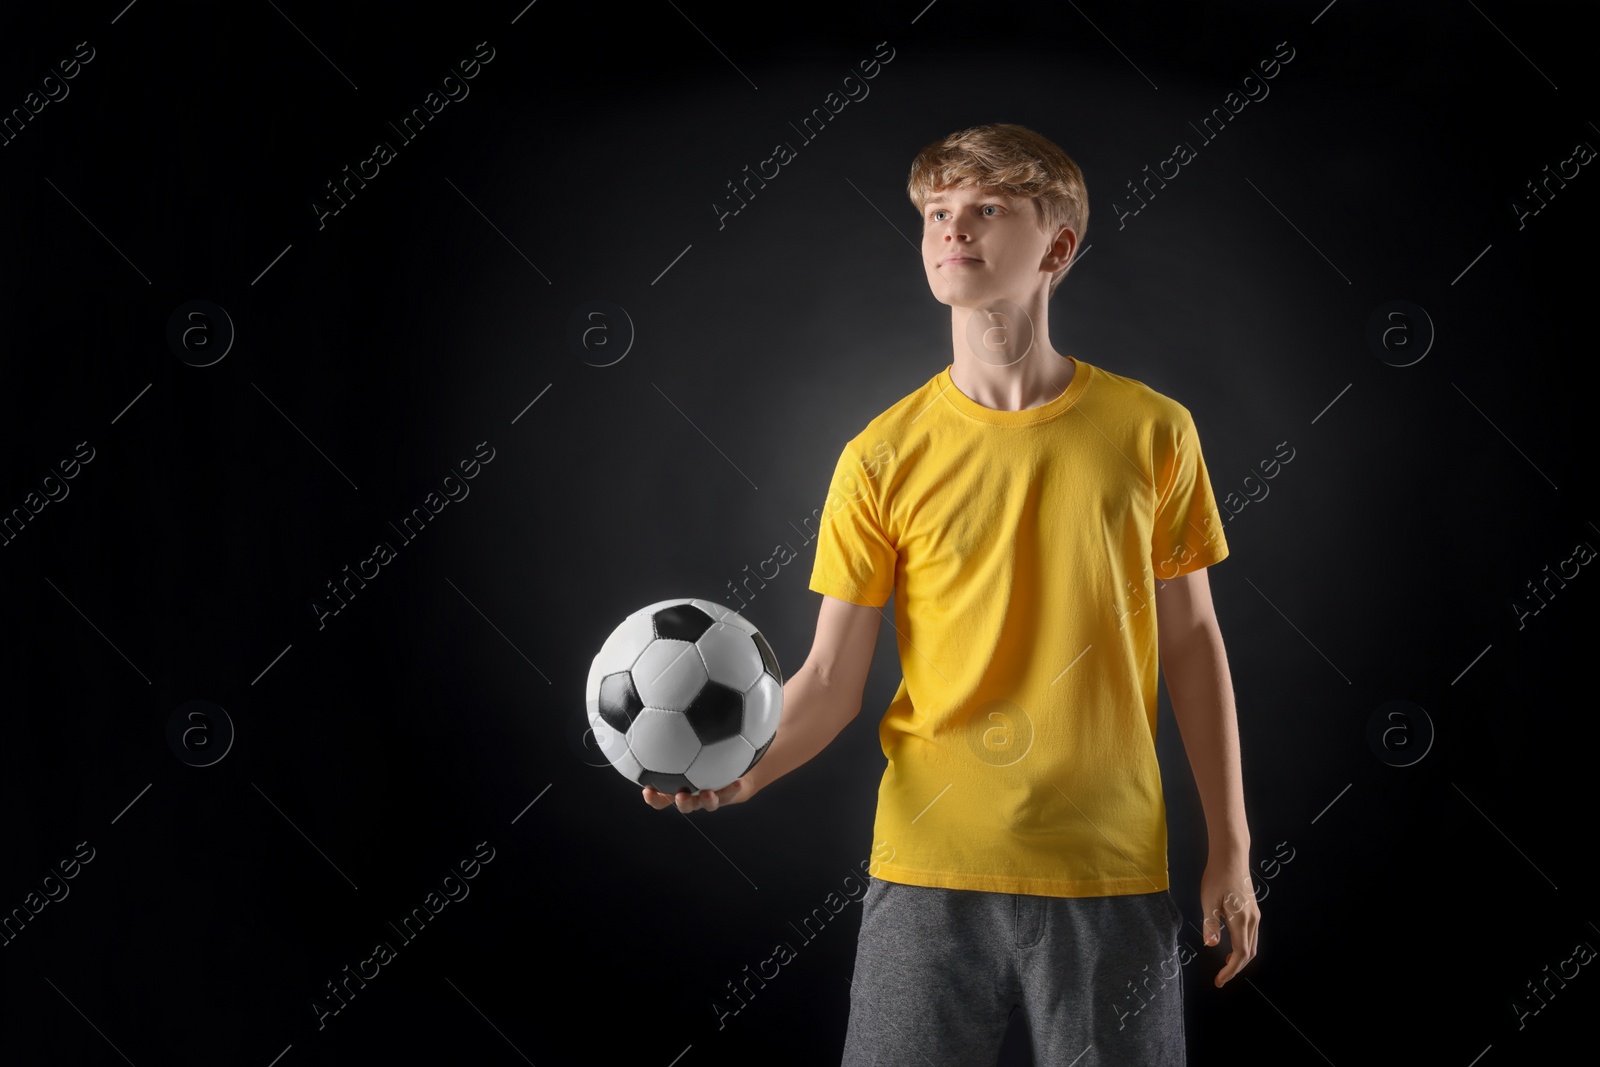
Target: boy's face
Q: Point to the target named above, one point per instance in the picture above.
(980, 246)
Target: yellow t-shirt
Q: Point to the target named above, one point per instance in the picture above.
(1022, 549)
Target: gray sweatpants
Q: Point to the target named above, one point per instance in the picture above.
(938, 973)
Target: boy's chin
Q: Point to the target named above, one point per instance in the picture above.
(974, 300)
(961, 296)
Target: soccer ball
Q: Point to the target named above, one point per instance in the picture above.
(684, 694)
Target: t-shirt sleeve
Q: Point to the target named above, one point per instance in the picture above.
(1187, 532)
(856, 556)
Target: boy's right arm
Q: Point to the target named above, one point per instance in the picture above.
(819, 700)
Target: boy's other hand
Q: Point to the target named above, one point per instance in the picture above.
(1229, 899)
(709, 799)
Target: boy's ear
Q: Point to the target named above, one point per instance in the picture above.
(1062, 249)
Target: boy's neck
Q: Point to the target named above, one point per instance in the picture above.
(987, 367)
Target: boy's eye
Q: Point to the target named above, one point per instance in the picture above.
(936, 212)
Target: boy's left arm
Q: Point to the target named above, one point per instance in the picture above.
(1196, 668)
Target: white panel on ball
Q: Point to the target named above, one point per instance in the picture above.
(733, 618)
(663, 740)
(612, 744)
(668, 675)
(621, 649)
(658, 605)
(762, 706)
(626, 765)
(715, 610)
(720, 762)
(731, 656)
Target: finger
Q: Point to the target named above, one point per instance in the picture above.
(1237, 958)
(656, 800)
(1228, 971)
(1251, 937)
(1244, 941)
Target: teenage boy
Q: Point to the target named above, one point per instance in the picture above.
(1034, 517)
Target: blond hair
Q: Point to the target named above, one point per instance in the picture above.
(1014, 160)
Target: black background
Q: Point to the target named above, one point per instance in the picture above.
(372, 354)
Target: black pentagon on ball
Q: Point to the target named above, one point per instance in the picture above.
(666, 783)
(619, 701)
(768, 658)
(716, 712)
(682, 622)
